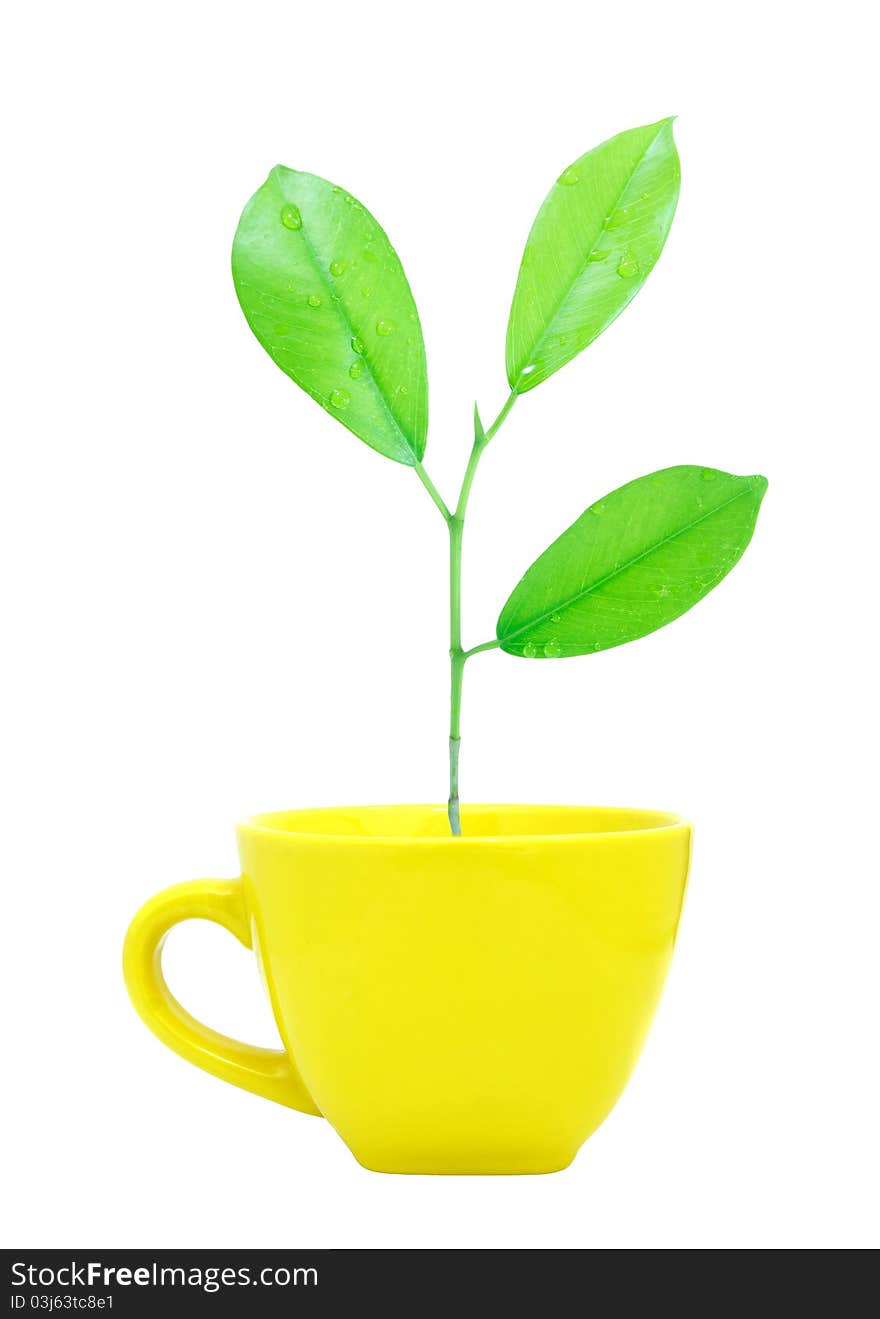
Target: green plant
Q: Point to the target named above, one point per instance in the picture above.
(325, 294)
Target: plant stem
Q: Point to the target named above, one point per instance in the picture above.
(453, 809)
(458, 657)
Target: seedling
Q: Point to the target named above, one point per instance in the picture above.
(324, 292)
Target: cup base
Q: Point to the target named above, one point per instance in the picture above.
(427, 1166)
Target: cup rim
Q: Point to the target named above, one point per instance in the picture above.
(266, 824)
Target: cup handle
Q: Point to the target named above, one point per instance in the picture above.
(267, 1072)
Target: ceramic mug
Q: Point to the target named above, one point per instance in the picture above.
(450, 1005)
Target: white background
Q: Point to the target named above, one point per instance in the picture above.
(218, 601)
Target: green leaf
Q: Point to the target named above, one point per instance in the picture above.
(594, 242)
(632, 562)
(325, 294)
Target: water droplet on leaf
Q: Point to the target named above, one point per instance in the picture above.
(357, 345)
(314, 300)
(553, 649)
(709, 474)
(385, 328)
(336, 268)
(530, 650)
(628, 266)
(356, 370)
(290, 217)
(568, 178)
(555, 618)
(599, 254)
(340, 398)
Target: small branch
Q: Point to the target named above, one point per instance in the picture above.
(432, 490)
(499, 420)
(478, 650)
(481, 440)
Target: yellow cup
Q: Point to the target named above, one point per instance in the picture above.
(450, 1005)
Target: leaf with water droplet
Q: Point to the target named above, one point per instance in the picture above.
(628, 265)
(567, 293)
(328, 318)
(654, 552)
